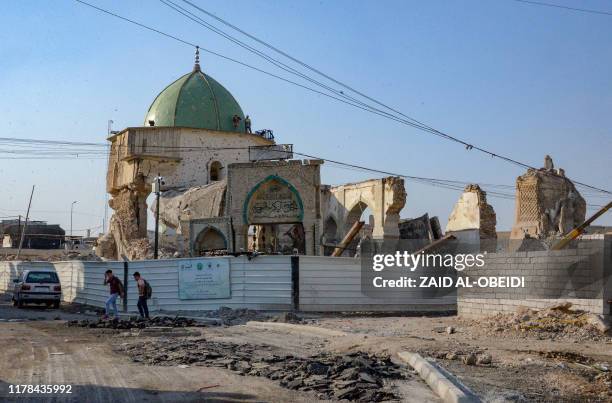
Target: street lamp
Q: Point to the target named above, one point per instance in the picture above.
(157, 184)
(71, 210)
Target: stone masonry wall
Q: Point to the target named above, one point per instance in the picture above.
(587, 269)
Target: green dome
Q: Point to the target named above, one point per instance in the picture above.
(195, 100)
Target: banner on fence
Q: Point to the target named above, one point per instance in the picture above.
(204, 279)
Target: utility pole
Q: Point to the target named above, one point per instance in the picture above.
(108, 134)
(25, 224)
(71, 210)
(157, 189)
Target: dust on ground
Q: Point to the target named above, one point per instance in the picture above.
(556, 354)
(560, 356)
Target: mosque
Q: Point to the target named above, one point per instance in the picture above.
(227, 188)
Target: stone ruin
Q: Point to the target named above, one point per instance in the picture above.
(422, 227)
(472, 212)
(127, 235)
(547, 204)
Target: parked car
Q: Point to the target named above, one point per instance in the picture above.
(38, 287)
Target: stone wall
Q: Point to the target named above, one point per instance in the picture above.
(301, 177)
(183, 157)
(582, 275)
(472, 212)
(345, 204)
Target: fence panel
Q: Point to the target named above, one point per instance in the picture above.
(330, 284)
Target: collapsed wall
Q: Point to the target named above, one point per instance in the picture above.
(547, 204)
(472, 212)
(344, 205)
(422, 227)
(185, 204)
(127, 235)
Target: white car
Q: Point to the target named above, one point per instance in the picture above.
(37, 287)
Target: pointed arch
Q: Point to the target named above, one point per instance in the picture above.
(256, 188)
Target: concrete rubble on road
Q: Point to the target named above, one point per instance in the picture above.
(137, 323)
(240, 316)
(354, 376)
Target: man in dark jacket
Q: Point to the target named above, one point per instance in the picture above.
(116, 290)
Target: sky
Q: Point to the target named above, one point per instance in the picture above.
(519, 79)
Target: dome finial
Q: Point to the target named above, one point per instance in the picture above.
(196, 67)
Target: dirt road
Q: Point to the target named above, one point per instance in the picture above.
(99, 363)
(46, 352)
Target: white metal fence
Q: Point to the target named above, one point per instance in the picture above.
(263, 283)
(334, 285)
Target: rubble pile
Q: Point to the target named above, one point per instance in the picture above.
(356, 376)
(286, 317)
(240, 316)
(136, 323)
(44, 256)
(556, 322)
(467, 357)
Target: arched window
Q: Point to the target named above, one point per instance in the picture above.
(210, 239)
(215, 171)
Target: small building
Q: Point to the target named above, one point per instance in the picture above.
(38, 235)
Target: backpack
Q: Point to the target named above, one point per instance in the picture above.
(148, 290)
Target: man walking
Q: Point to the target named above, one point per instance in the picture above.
(116, 290)
(143, 295)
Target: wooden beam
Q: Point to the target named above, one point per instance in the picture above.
(434, 244)
(575, 233)
(348, 238)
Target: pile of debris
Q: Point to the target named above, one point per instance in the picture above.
(44, 256)
(356, 376)
(240, 316)
(555, 322)
(136, 323)
(286, 317)
(467, 357)
(232, 317)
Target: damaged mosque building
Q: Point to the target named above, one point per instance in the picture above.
(227, 189)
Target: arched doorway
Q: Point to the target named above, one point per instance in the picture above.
(215, 171)
(209, 240)
(273, 212)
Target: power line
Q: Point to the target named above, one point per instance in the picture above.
(233, 60)
(582, 10)
(412, 122)
(186, 13)
(415, 123)
(492, 189)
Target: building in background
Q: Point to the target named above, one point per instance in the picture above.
(38, 234)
